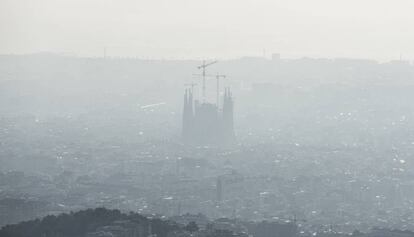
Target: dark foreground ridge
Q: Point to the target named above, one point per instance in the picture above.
(101, 222)
(91, 222)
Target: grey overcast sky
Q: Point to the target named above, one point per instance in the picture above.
(377, 29)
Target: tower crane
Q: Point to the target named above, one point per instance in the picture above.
(203, 67)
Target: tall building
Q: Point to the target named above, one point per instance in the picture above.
(205, 123)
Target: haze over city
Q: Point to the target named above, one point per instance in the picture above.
(374, 29)
(189, 118)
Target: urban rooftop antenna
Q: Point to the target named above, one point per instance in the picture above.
(203, 66)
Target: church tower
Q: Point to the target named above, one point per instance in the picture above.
(188, 115)
(227, 120)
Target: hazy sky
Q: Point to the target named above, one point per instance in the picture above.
(380, 29)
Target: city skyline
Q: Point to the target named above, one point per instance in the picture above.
(224, 29)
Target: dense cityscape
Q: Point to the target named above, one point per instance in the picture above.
(323, 146)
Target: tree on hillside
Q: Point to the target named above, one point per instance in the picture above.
(191, 227)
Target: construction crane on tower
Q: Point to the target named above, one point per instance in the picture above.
(203, 67)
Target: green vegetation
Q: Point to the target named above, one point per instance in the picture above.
(84, 222)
